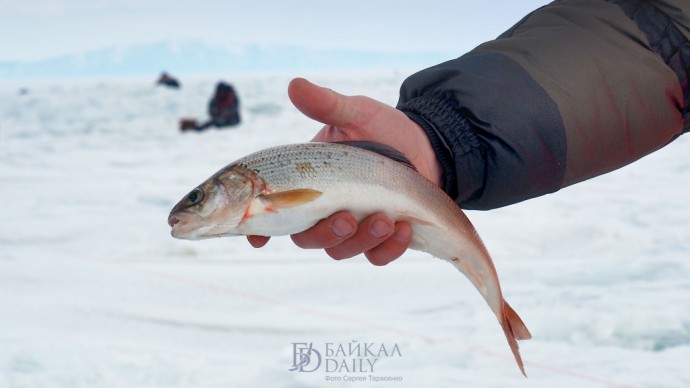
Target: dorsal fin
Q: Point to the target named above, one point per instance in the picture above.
(381, 149)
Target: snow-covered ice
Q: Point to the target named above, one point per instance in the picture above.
(95, 293)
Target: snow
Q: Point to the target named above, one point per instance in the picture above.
(95, 293)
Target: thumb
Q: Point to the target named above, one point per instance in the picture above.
(322, 104)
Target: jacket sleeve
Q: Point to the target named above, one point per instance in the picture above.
(576, 89)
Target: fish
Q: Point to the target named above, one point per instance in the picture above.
(287, 189)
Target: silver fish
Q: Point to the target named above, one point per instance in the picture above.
(287, 189)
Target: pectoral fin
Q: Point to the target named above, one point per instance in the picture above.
(290, 198)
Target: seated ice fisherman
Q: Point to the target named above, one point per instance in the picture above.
(169, 81)
(224, 107)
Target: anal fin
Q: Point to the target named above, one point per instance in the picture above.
(514, 329)
(519, 328)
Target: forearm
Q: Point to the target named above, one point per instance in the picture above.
(573, 91)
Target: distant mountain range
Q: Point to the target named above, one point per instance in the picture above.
(202, 58)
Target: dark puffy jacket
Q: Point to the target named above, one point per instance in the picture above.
(224, 107)
(576, 89)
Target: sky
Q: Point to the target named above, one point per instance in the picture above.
(40, 29)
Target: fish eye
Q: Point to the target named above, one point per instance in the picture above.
(195, 196)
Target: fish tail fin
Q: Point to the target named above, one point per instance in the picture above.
(514, 329)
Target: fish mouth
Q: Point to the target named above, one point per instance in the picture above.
(173, 220)
(177, 224)
(184, 226)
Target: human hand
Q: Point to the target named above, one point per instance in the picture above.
(352, 118)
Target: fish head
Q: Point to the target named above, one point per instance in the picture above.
(215, 208)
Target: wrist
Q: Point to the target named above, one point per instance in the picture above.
(427, 162)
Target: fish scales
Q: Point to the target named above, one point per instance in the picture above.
(341, 168)
(287, 189)
(282, 168)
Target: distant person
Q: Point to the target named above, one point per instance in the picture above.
(168, 80)
(224, 108)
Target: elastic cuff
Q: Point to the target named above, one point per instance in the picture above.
(443, 153)
(451, 135)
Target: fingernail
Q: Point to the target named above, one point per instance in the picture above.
(403, 235)
(342, 228)
(379, 229)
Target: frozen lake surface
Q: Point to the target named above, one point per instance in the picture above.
(95, 293)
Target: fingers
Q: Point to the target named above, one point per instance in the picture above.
(315, 102)
(393, 247)
(371, 232)
(328, 232)
(377, 237)
(328, 106)
(381, 240)
(373, 237)
(330, 133)
(325, 234)
(258, 241)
